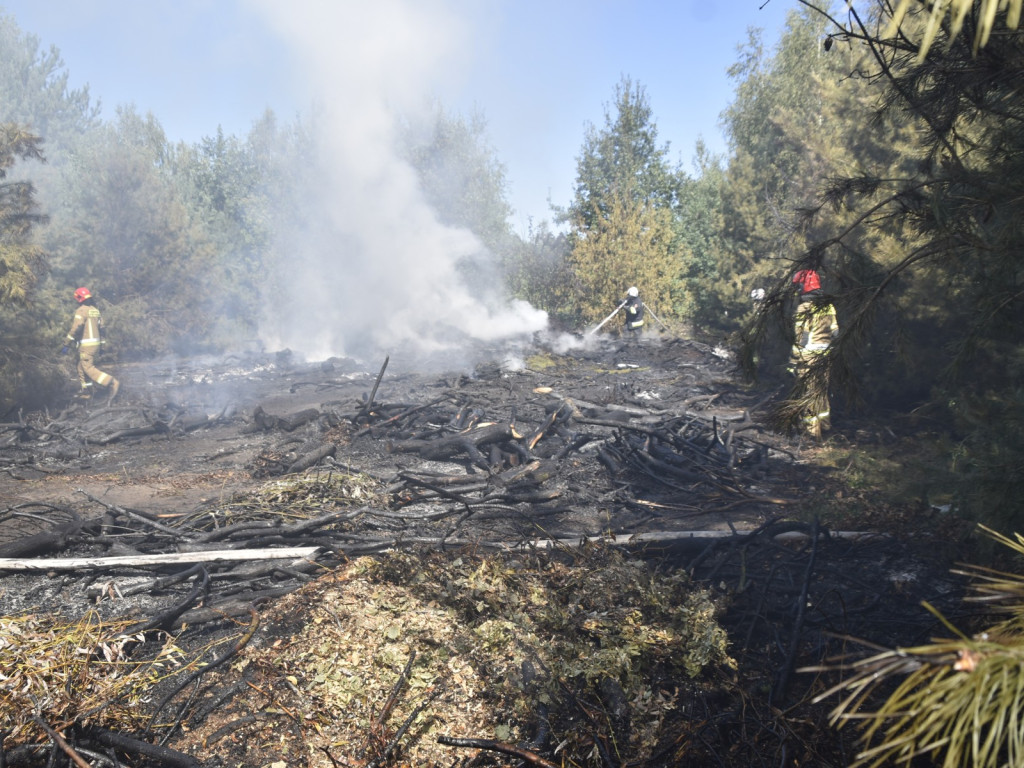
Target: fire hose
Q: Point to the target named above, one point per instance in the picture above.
(613, 314)
(656, 317)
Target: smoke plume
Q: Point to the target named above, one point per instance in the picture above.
(369, 267)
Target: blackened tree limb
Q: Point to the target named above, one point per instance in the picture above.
(782, 686)
(166, 620)
(262, 526)
(119, 741)
(452, 445)
(61, 743)
(133, 515)
(365, 412)
(498, 746)
(234, 649)
(389, 750)
(399, 416)
(39, 543)
(392, 700)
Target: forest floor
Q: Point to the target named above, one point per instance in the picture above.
(653, 448)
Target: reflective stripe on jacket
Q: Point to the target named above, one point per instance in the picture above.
(815, 326)
(86, 325)
(634, 312)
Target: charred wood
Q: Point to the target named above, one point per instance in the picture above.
(229, 609)
(166, 620)
(234, 725)
(133, 746)
(53, 540)
(781, 688)
(453, 445)
(147, 521)
(181, 685)
(499, 746)
(312, 458)
(265, 422)
(285, 531)
(373, 392)
(403, 414)
(219, 699)
(61, 743)
(149, 586)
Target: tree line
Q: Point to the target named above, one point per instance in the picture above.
(879, 146)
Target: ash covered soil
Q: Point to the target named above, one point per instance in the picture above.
(535, 552)
(180, 465)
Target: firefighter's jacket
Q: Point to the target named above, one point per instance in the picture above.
(634, 312)
(86, 326)
(816, 326)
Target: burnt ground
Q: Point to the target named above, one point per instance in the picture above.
(655, 450)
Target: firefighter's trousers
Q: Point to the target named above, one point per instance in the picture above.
(87, 370)
(816, 417)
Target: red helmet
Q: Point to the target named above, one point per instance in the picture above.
(82, 294)
(807, 280)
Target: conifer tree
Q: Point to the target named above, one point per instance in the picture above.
(620, 218)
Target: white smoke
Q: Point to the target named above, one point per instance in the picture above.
(370, 267)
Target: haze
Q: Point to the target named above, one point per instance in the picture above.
(373, 269)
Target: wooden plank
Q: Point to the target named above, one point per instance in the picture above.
(170, 558)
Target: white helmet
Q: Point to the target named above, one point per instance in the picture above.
(633, 291)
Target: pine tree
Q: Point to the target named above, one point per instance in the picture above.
(20, 260)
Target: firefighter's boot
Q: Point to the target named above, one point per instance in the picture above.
(114, 386)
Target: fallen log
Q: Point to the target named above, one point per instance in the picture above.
(123, 433)
(312, 458)
(171, 558)
(45, 541)
(265, 422)
(296, 420)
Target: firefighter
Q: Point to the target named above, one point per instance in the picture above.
(815, 327)
(634, 322)
(85, 334)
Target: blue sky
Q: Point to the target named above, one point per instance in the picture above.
(538, 70)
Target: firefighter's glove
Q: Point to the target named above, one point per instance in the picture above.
(835, 333)
(65, 349)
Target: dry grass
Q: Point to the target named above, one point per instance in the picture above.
(76, 672)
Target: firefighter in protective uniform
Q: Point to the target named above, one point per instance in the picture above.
(634, 309)
(815, 327)
(86, 325)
